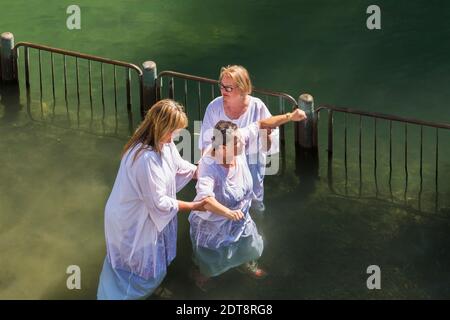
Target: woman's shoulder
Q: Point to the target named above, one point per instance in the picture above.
(207, 165)
(257, 103)
(140, 153)
(260, 108)
(207, 160)
(137, 159)
(215, 105)
(171, 146)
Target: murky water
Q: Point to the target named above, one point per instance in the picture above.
(321, 230)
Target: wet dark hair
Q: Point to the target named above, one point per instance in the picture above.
(224, 131)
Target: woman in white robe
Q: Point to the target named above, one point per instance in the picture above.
(237, 105)
(141, 212)
(226, 236)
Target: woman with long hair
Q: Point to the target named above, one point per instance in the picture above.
(141, 212)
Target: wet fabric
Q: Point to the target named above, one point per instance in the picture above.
(256, 159)
(117, 284)
(140, 216)
(219, 243)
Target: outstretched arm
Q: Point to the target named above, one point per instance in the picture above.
(276, 121)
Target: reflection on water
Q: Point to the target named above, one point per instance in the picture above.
(324, 224)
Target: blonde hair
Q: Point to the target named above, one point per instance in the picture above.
(240, 75)
(164, 117)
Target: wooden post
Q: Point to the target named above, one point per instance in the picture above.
(304, 130)
(8, 59)
(149, 84)
(306, 152)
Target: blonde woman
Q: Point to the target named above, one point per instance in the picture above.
(141, 212)
(237, 106)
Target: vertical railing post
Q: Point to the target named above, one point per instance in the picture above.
(149, 94)
(8, 58)
(172, 88)
(305, 145)
(306, 155)
(304, 130)
(9, 94)
(330, 133)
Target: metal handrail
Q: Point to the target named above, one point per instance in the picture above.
(391, 118)
(212, 81)
(375, 115)
(440, 125)
(77, 54)
(88, 57)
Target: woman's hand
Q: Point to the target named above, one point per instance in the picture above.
(199, 205)
(275, 121)
(298, 115)
(234, 215)
(212, 205)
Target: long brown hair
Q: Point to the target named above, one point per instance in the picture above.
(164, 117)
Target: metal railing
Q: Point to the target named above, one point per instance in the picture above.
(197, 90)
(376, 118)
(283, 98)
(89, 58)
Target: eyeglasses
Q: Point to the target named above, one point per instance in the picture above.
(226, 88)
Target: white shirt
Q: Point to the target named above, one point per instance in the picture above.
(215, 112)
(142, 202)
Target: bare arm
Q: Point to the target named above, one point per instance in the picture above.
(186, 206)
(212, 205)
(276, 121)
